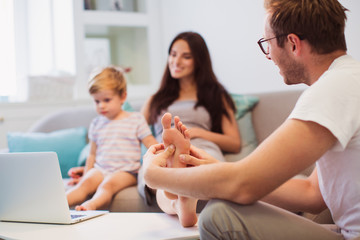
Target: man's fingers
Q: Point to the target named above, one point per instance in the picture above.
(169, 151)
(189, 160)
(156, 147)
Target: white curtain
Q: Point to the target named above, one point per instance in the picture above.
(7, 49)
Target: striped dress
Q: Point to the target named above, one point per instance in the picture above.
(118, 142)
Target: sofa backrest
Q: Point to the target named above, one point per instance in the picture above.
(272, 110)
(66, 118)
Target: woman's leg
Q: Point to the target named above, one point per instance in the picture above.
(227, 220)
(183, 207)
(170, 203)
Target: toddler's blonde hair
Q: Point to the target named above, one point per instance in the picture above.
(110, 78)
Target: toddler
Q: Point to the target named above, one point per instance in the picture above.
(115, 137)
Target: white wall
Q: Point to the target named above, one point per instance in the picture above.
(231, 29)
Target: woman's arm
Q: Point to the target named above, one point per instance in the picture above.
(229, 141)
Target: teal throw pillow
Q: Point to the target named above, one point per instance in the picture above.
(67, 143)
(248, 138)
(127, 107)
(243, 104)
(84, 155)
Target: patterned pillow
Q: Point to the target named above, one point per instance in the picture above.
(243, 104)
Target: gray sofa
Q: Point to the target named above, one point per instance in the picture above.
(271, 110)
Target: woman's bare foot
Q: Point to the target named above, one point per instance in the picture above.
(175, 136)
(186, 211)
(85, 206)
(179, 138)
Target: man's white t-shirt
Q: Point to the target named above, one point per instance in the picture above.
(334, 102)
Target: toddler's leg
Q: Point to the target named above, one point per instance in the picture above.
(85, 187)
(108, 188)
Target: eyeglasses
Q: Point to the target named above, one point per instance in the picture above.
(264, 45)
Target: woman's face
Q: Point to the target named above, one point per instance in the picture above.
(181, 62)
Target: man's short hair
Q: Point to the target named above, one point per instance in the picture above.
(320, 22)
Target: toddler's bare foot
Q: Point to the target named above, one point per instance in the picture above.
(179, 137)
(85, 206)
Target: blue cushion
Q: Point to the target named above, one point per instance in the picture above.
(127, 107)
(243, 104)
(248, 138)
(67, 143)
(84, 155)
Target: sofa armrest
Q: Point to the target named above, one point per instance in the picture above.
(4, 150)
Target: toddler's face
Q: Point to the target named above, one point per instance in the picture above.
(108, 103)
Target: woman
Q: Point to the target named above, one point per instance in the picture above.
(189, 89)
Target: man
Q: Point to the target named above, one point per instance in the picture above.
(305, 39)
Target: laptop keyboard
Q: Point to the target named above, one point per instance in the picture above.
(73, 216)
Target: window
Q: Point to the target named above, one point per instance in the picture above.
(7, 49)
(38, 44)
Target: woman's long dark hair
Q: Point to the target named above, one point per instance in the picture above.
(210, 93)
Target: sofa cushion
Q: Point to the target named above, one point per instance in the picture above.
(248, 138)
(67, 143)
(84, 155)
(243, 104)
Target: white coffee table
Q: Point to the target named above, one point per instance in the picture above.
(109, 226)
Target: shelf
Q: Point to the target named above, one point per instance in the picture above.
(115, 18)
(115, 5)
(104, 37)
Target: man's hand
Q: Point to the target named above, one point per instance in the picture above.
(156, 156)
(197, 157)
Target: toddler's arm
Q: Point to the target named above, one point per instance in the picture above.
(149, 141)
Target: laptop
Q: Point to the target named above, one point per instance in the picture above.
(32, 190)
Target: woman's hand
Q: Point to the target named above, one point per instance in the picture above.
(197, 157)
(196, 132)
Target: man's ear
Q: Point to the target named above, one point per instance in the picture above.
(295, 43)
